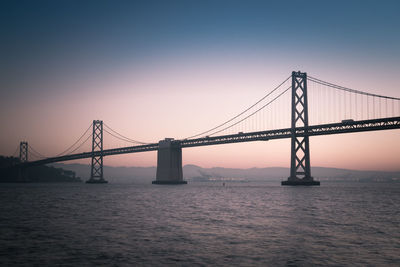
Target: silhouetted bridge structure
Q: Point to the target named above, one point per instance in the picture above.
(169, 162)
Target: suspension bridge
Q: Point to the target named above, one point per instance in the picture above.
(283, 112)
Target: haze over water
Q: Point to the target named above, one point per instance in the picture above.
(203, 223)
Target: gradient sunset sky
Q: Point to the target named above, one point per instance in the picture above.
(156, 69)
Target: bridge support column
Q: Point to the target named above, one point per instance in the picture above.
(96, 173)
(300, 170)
(169, 163)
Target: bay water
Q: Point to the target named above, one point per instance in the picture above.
(200, 224)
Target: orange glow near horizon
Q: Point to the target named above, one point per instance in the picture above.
(158, 102)
(152, 70)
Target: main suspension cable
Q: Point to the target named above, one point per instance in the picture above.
(226, 122)
(66, 150)
(122, 137)
(39, 155)
(87, 138)
(15, 152)
(253, 112)
(119, 138)
(339, 87)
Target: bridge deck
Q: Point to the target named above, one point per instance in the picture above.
(324, 129)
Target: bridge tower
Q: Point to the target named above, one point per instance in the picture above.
(23, 157)
(96, 173)
(300, 170)
(23, 151)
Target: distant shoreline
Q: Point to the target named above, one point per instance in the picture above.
(10, 173)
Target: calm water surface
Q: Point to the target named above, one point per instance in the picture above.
(203, 223)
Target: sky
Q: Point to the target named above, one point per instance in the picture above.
(157, 69)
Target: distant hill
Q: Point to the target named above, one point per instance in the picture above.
(193, 172)
(9, 173)
(122, 174)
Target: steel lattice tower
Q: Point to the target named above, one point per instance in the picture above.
(96, 173)
(23, 151)
(300, 171)
(23, 158)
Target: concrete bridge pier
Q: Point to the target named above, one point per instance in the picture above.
(169, 162)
